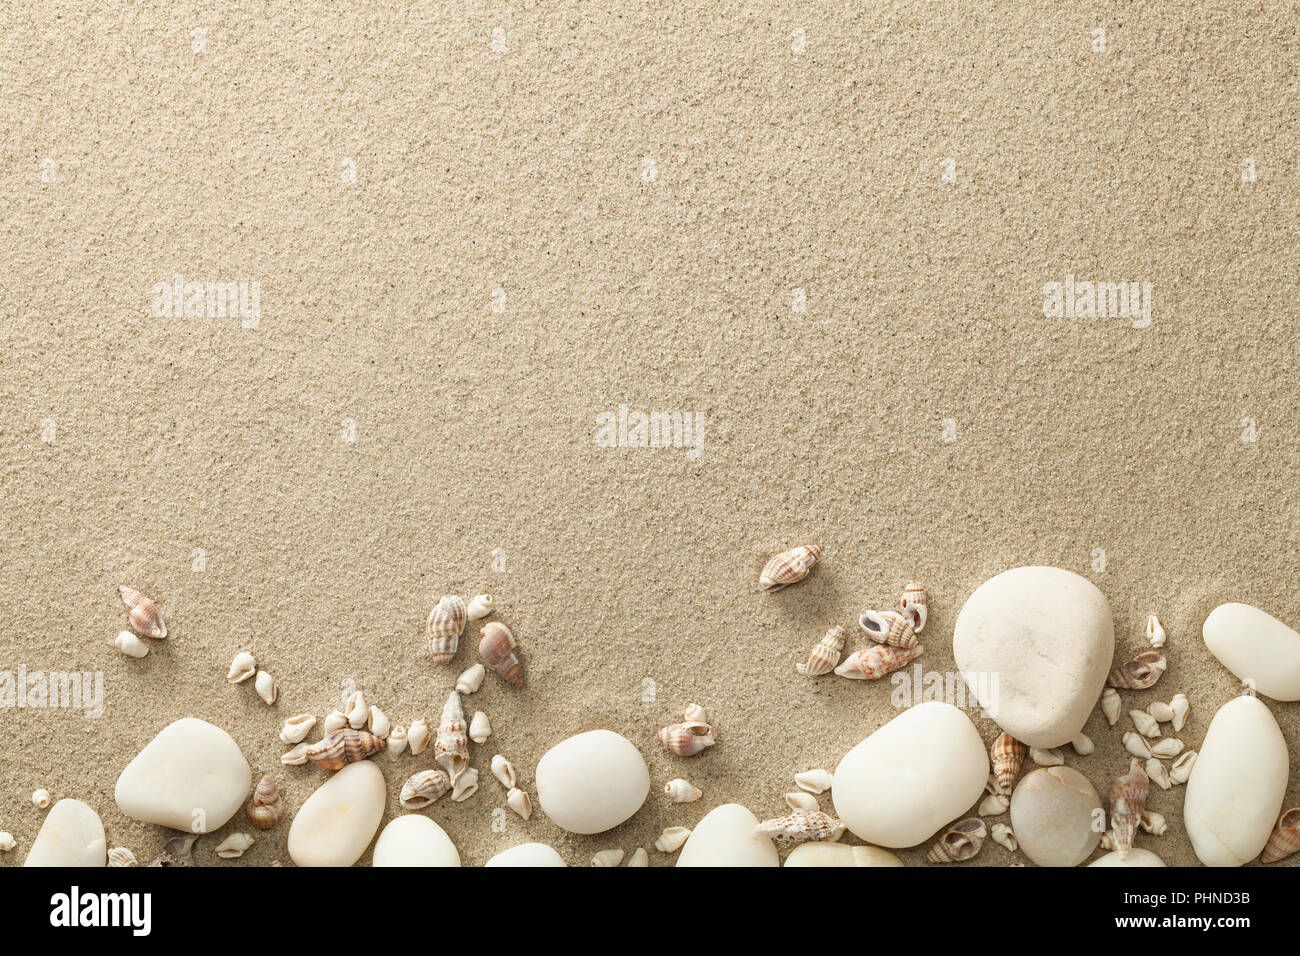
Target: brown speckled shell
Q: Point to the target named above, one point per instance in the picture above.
(888, 627)
(825, 654)
(145, 618)
(1285, 838)
(874, 662)
(1140, 673)
(1008, 756)
(687, 739)
(446, 624)
(497, 648)
(422, 788)
(801, 826)
(343, 747)
(1128, 798)
(961, 841)
(788, 567)
(264, 809)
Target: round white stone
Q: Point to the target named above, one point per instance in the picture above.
(338, 821)
(413, 840)
(1136, 857)
(71, 835)
(923, 769)
(726, 837)
(592, 782)
(840, 854)
(527, 854)
(1054, 814)
(1237, 785)
(190, 777)
(1257, 647)
(1035, 645)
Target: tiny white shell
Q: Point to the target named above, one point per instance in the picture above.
(1107, 841)
(1147, 725)
(607, 858)
(7, 841)
(799, 800)
(1082, 744)
(1180, 771)
(334, 720)
(682, 791)
(266, 687)
(1045, 757)
(1110, 705)
(671, 840)
(377, 723)
(1003, 835)
(1153, 823)
(242, 668)
(130, 645)
(1137, 745)
(1159, 773)
(480, 606)
(396, 742)
(357, 711)
(466, 785)
(1167, 748)
(234, 845)
(41, 798)
(417, 738)
(639, 857)
(471, 680)
(121, 856)
(519, 802)
(1161, 712)
(994, 805)
(814, 781)
(295, 757)
(480, 728)
(1181, 708)
(297, 728)
(694, 713)
(504, 771)
(1155, 633)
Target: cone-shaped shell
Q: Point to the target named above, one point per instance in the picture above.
(788, 567)
(1128, 798)
(961, 841)
(497, 648)
(888, 627)
(687, 739)
(1140, 673)
(264, 808)
(1008, 756)
(876, 661)
(914, 605)
(446, 623)
(343, 747)
(451, 746)
(802, 826)
(1285, 838)
(143, 613)
(422, 788)
(825, 654)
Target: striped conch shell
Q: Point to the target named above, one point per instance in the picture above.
(788, 567)
(1128, 798)
(914, 605)
(343, 747)
(888, 627)
(825, 654)
(446, 624)
(960, 842)
(1140, 673)
(1008, 756)
(422, 788)
(497, 648)
(264, 809)
(876, 661)
(451, 746)
(687, 739)
(801, 826)
(1285, 838)
(143, 613)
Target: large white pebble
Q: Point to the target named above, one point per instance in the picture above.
(527, 854)
(923, 769)
(1035, 645)
(1055, 814)
(726, 837)
(1237, 785)
(190, 777)
(414, 840)
(338, 821)
(1136, 857)
(592, 782)
(1257, 647)
(72, 835)
(840, 854)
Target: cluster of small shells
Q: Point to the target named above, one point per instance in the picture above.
(243, 667)
(145, 620)
(691, 735)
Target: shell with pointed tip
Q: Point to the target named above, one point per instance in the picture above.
(417, 738)
(1152, 823)
(1128, 798)
(1159, 773)
(671, 840)
(519, 802)
(265, 807)
(295, 757)
(356, 710)
(1146, 725)
(607, 858)
(266, 687)
(825, 654)
(1167, 748)
(914, 604)
(465, 785)
(802, 826)
(1003, 835)
(682, 791)
(888, 627)
(1140, 673)
(1180, 771)
(1155, 633)
(396, 741)
(234, 845)
(242, 668)
(639, 857)
(1082, 744)
(960, 842)
(694, 712)
(143, 613)
(789, 567)
(334, 720)
(497, 648)
(377, 723)
(1008, 756)
(1285, 838)
(504, 771)
(1136, 744)
(422, 788)
(342, 748)
(480, 728)
(872, 663)
(1162, 712)
(687, 739)
(446, 624)
(1110, 705)
(471, 680)
(130, 645)
(451, 747)
(296, 728)
(798, 800)
(480, 606)
(818, 780)
(995, 804)
(1180, 708)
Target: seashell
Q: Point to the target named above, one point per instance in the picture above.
(814, 781)
(888, 627)
(913, 604)
(417, 737)
(1001, 834)
(607, 858)
(1008, 756)
(1082, 744)
(1159, 773)
(1285, 838)
(1147, 725)
(1163, 713)
(995, 804)
(682, 791)
(872, 663)
(789, 567)
(296, 728)
(234, 846)
(480, 728)
(1110, 705)
(7, 841)
(694, 713)
(1180, 771)
(671, 840)
(295, 757)
(422, 788)
(178, 851)
(1181, 708)
(451, 746)
(465, 785)
(1046, 757)
(396, 741)
(1167, 748)
(960, 842)
(143, 613)
(264, 809)
(334, 720)
(356, 710)
(480, 606)
(446, 624)
(342, 748)
(1153, 823)
(686, 740)
(121, 856)
(802, 826)
(639, 857)
(497, 648)
(801, 801)
(377, 723)
(825, 654)
(519, 802)
(1137, 745)
(504, 771)
(41, 798)
(1107, 842)
(130, 645)
(242, 668)
(1128, 798)
(471, 680)
(1155, 633)
(266, 687)
(1140, 673)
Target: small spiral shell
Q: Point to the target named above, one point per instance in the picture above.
(497, 648)
(914, 605)
(825, 654)
(1008, 756)
(144, 615)
(451, 746)
(1128, 798)
(687, 739)
(876, 661)
(888, 627)
(1285, 838)
(788, 567)
(801, 826)
(343, 747)
(265, 807)
(1140, 673)
(422, 788)
(446, 624)
(960, 842)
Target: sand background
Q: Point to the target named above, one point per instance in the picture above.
(475, 429)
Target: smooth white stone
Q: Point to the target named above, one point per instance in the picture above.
(840, 854)
(190, 777)
(726, 837)
(337, 822)
(1038, 642)
(1257, 647)
(527, 854)
(414, 840)
(1136, 857)
(921, 770)
(1238, 783)
(71, 835)
(1054, 815)
(592, 782)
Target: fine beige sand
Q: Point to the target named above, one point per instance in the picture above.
(648, 186)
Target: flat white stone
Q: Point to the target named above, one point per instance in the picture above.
(922, 770)
(71, 835)
(190, 777)
(1257, 647)
(592, 782)
(414, 840)
(1238, 783)
(1035, 645)
(527, 854)
(840, 854)
(337, 822)
(1054, 814)
(726, 837)
(1136, 857)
